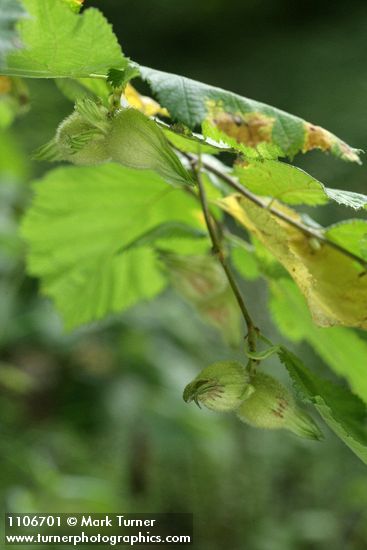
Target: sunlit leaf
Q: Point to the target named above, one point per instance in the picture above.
(168, 231)
(351, 234)
(281, 181)
(81, 220)
(68, 45)
(292, 185)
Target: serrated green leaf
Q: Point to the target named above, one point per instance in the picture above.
(245, 121)
(292, 185)
(11, 11)
(342, 349)
(59, 43)
(281, 181)
(342, 411)
(80, 220)
(350, 234)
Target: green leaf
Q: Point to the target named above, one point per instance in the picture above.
(11, 11)
(292, 185)
(243, 257)
(342, 349)
(118, 78)
(342, 411)
(244, 120)
(281, 181)
(350, 234)
(59, 43)
(167, 231)
(77, 225)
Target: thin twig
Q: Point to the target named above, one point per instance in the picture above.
(218, 251)
(278, 213)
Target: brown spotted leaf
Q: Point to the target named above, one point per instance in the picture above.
(241, 122)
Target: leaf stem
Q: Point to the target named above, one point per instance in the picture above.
(218, 251)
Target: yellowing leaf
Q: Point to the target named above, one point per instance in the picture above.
(250, 128)
(143, 103)
(333, 284)
(319, 138)
(5, 85)
(75, 5)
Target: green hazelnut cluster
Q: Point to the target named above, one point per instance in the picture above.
(93, 135)
(220, 387)
(258, 399)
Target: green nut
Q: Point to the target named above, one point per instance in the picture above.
(136, 141)
(80, 142)
(273, 407)
(220, 387)
(92, 135)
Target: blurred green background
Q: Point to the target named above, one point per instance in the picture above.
(94, 420)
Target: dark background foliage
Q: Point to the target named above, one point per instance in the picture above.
(94, 420)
